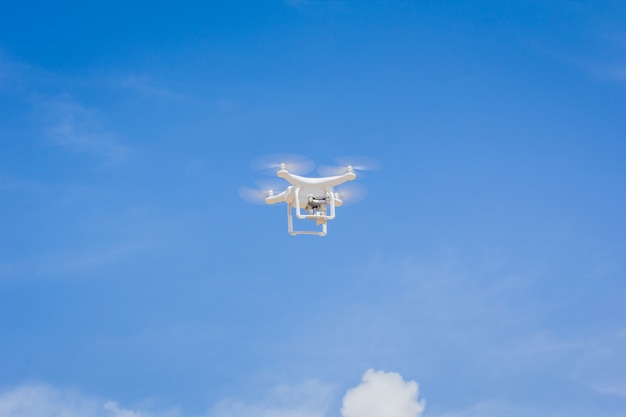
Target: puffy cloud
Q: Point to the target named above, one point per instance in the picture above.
(383, 394)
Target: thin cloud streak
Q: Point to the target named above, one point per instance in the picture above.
(602, 367)
(66, 122)
(93, 259)
(67, 265)
(43, 400)
(146, 86)
(39, 400)
(75, 127)
(308, 399)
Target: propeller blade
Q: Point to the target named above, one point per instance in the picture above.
(257, 195)
(358, 163)
(351, 193)
(331, 170)
(252, 195)
(296, 164)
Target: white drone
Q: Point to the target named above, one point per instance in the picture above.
(313, 199)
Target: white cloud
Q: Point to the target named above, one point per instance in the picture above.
(41, 400)
(66, 121)
(116, 411)
(499, 409)
(380, 394)
(603, 368)
(145, 85)
(309, 399)
(383, 394)
(61, 264)
(38, 400)
(66, 264)
(73, 126)
(610, 72)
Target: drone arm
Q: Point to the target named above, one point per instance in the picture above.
(340, 179)
(286, 175)
(278, 198)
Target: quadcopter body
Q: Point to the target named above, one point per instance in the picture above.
(310, 198)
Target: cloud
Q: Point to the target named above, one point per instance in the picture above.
(602, 61)
(41, 400)
(380, 394)
(64, 264)
(308, 399)
(609, 62)
(68, 264)
(38, 400)
(117, 411)
(609, 72)
(66, 121)
(71, 125)
(603, 368)
(499, 409)
(146, 86)
(383, 394)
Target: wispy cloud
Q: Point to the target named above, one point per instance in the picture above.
(12, 184)
(380, 394)
(42, 400)
(69, 124)
(65, 120)
(610, 59)
(147, 86)
(308, 399)
(115, 410)
(94, 259)
(493, 408)
(499, 409)
(39, 400)
(68, 264)
(602, 54)
(602, 367)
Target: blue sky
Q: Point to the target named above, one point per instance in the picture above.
(486, 263)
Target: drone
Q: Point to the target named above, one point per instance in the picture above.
(309, 198)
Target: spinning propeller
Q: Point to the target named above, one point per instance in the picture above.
(296, 164)
(351, 193)
(263, 190)
(345, 164)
